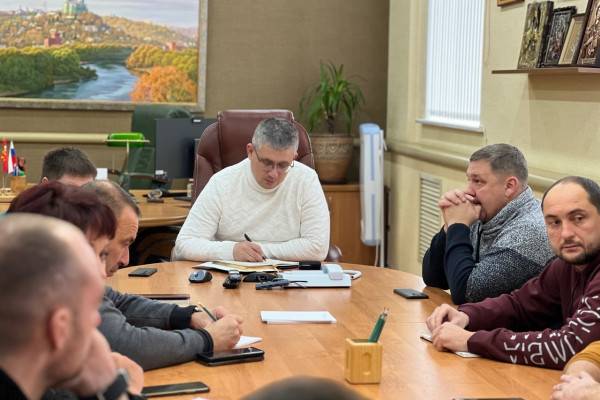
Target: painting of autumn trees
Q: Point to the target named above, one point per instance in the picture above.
(149, 52)
(169, 76)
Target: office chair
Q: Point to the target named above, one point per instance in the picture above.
(224, 143)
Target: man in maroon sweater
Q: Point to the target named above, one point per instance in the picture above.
(552, 316)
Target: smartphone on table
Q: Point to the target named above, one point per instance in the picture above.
(233, 356)
(411, 294)
(143, 272)
(174, 388)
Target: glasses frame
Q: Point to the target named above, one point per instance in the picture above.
(270, 165)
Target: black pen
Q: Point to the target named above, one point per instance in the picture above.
(250, 240)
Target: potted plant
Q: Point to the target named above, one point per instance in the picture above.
(332, 103)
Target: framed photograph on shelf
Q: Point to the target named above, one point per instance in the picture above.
(536, 25)
(559, 25)
(102, 55)
(570, 50)
(588, 50)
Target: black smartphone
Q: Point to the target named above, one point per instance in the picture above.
(175, 388)
(309, 265)
(411, 294)
(248, 354)
(142, 272)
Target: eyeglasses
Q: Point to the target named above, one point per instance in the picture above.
(270, 165)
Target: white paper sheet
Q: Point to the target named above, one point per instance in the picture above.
(297, 317)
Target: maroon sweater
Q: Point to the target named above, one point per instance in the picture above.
(545, 322)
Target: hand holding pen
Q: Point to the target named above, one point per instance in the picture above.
(248, 251)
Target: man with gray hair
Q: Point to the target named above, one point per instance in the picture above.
(267, 198)
(494, 238)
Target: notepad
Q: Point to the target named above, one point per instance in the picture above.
(246, 341)
(268, 265)
(463, 354)
(297, 317)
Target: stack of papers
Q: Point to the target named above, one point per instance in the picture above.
(297, 317)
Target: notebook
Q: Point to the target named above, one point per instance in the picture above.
(268, 265)
(297, 317)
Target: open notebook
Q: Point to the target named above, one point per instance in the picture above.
(269, 265)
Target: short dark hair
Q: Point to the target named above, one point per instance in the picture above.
(113, 196)
(503, 158)
(37, 275)
(69, 203)
(591, 188)
(67, 161)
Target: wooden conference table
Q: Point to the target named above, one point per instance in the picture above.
(412, 368)
(171, 212)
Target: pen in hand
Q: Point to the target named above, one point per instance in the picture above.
(250, 240)
(207, 312)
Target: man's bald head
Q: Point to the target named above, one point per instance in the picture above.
(44, 265)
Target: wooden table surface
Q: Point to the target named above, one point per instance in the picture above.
(171, 212)
(412, 368)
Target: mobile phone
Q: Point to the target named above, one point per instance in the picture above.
(233, 280)
(142, 272)
(175, 388)
(411, 294)
(248, 354)
(309, 265)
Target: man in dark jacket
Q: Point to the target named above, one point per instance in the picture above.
(521, 327)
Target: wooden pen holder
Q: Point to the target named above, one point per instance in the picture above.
(363, 361)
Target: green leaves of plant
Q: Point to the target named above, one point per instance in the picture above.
(333, 97)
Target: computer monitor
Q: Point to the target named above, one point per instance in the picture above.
(175, 145)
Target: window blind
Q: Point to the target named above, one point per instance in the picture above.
(454, 62)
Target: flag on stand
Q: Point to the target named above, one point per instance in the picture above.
(4, 156)
(12, 160)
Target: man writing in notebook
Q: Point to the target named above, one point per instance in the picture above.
(493, 239)
(268, 197)
(554, 315)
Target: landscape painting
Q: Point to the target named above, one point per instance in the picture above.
(106, 54)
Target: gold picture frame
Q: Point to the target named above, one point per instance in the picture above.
(171, 71)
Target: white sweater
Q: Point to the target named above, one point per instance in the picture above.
(290, 221)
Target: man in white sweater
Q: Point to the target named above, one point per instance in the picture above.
(267, 198)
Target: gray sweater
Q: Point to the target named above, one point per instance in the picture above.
(492, 258)
(151, 333)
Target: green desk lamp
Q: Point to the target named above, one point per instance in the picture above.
(127, 140)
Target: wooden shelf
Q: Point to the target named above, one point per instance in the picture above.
(550, 71)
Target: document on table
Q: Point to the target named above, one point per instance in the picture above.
(246, 341)
(269, 265)
(463, 354)
(297, 317)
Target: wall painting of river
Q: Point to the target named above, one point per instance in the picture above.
(115, 51)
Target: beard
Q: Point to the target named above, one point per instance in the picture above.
(587, 256)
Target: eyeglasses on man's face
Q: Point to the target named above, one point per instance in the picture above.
(270, 165)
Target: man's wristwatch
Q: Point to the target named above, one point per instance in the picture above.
(116, 389)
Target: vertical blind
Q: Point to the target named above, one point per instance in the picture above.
(454, 58)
